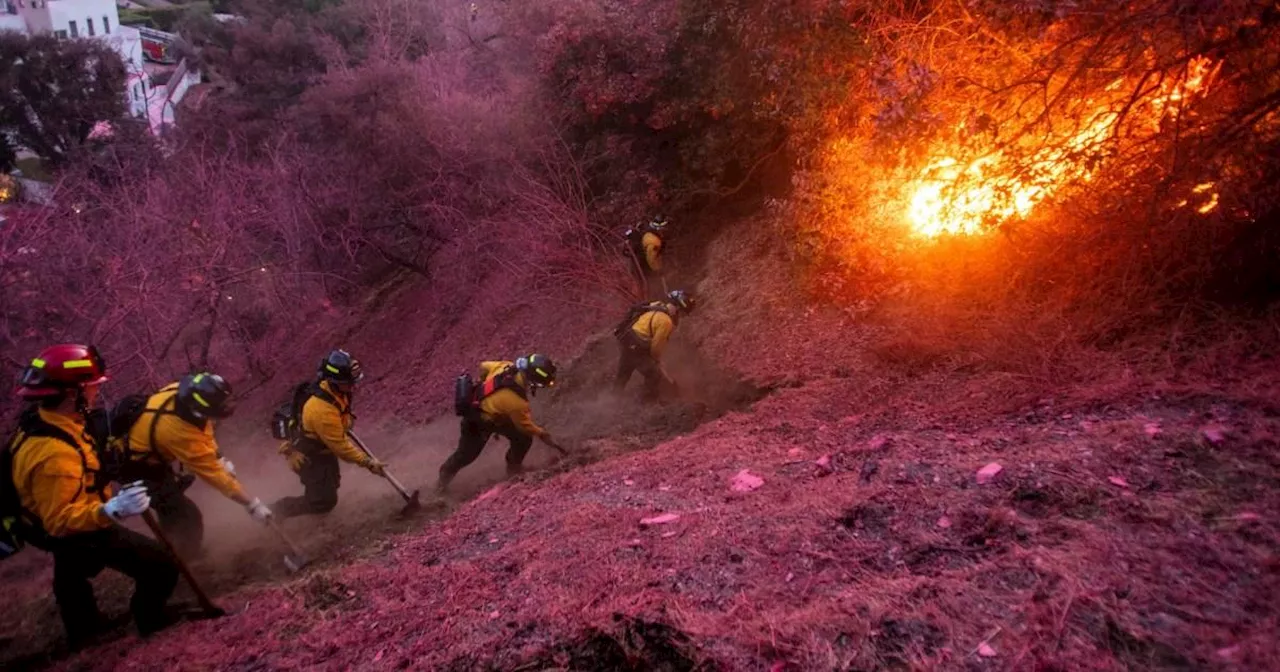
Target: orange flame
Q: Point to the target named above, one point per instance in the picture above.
(950, 196)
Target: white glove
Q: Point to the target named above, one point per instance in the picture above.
(259, 511)
(226, 464)
(130, 501)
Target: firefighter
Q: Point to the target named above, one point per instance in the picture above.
(65, 507)
(646, 243)
(501, 406)
(643, 342)
(326, 418)
(178, 426)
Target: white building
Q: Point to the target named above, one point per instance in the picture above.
(100, 20)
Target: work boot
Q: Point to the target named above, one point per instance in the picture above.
(442, 484)
(100, 631)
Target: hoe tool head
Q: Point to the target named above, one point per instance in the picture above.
(295, 562)
(412, 504)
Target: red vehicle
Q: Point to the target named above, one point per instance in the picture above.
(155, 45)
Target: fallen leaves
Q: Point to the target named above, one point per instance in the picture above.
(989, 472)
(662, 519)
(1214, 434)
(745, 481)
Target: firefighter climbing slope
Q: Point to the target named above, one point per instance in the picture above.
(499, 405)
(314, 428)
(55, 499)
(176, 426)
(645, 245)
(642, 341)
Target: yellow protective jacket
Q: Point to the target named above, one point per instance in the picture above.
(654, 328)
(176, 439)
(506, 405)
(329, 423)
(57, 483)
(652, 245)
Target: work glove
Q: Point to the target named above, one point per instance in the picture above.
(376, 467)
(296, 460)
(130, 501)
(258, 510)
(227, 465)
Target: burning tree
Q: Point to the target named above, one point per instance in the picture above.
(1134, 138)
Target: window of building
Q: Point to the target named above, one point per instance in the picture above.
(60, 34)
(106, 25)
(75, 32)
(89, 22)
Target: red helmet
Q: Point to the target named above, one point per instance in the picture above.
(60, 369)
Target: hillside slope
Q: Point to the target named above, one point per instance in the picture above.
(1132, 523)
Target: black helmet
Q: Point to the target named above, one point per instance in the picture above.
(658, 224)
(681, 299)
(205, 395)
(340, 367)
(539, 370)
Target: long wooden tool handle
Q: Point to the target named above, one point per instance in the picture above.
(149, 517)
(395, 483)
(386, 474)
(293, 548)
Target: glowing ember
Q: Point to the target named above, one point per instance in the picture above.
(950, 196)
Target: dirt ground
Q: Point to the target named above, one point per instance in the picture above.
(801, 506)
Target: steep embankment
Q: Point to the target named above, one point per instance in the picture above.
(1131, 524)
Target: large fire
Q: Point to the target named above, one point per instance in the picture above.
(966, 196)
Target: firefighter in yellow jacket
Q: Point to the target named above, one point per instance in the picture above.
(646, 249)
(643, 342)
(326, 419)
(177, 427)
(501, 406)
(66, 509)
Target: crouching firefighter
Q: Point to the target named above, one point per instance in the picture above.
(499, 405)
(53, 497)
(313, 428)
(175, 426)
(642, 341)
(644, 246)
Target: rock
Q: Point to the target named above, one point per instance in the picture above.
(877, 442)
(1118, 481)
(869, 469)
(660, 519)
(627, 481)
(944, 523)
(985, 650)
(1151, 428)
(989, 472)
(745, 481)
(1215, 435)
(795, 452)
(824, 462)
(491, 492)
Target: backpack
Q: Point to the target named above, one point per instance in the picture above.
(18, 527)
(114, 447)
(464, 394)
(635, 243)
(286, 421)
(467, 395)
(622, 331)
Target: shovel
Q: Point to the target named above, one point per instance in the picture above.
(207, 608)
(411, 500)
(295, 560)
